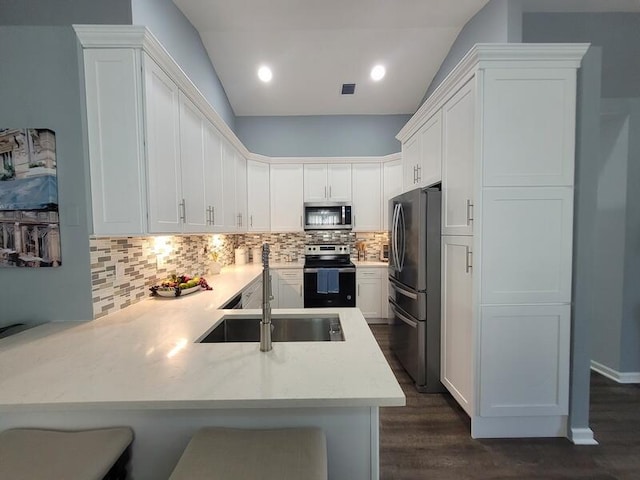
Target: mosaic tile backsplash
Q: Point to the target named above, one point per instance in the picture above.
(123, 269)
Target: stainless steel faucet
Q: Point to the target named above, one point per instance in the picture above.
(265, 323)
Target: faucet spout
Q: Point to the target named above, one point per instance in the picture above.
(265, 323)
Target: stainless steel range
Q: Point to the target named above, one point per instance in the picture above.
(329, 276)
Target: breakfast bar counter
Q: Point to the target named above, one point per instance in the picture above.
(143, 367)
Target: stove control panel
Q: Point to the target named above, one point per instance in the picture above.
(327, 250)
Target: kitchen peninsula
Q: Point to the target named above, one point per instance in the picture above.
(142, 367)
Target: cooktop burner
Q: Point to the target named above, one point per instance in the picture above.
(327, 256)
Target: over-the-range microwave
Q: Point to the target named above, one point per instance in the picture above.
(327, 216)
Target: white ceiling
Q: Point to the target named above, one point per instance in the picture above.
(314, 46)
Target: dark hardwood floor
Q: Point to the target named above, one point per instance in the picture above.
(429, 438)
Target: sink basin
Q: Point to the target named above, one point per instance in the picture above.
(286, 328)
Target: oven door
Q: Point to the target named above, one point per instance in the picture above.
(346, 297)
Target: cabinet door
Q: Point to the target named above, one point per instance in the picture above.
(369, 295)
(536, 341)
(286, 197)
(115, 133)
(230, 213)
(430, 166)
(214, 188)
(163, 150)
(367, 201)
(258, 195)
(339, 182)
(195, 215)
(315, 183)
(410, 160)
(391, 186)
(457, 320)
(458, 119)
(290, 288)
(241, 191)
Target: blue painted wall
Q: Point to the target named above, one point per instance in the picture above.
(499, 21)
(40, 87)
(183, 42)
(321, 136)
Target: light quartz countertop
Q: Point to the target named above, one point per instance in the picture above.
(370, 263)
(145, 357)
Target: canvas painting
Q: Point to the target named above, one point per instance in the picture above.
(29, 224)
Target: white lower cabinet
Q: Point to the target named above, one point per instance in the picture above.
(288, 288)
(252, 295)
(524, 360)
(457, 349)
(371, 296)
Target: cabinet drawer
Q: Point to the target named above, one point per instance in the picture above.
(369, 272)
(293, 274)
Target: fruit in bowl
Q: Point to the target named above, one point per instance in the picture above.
(177, 285)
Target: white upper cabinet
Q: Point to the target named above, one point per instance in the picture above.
(327, 182)
(192, 162)
(114, 112)
(458, 119)
(258, 196)
(391, 186)
(213, 179)
(162, 120)
(367, 197)
(229, 188)
(527, 138)
(241, 192)
(411, 152)
(286, 197)
(430, 165)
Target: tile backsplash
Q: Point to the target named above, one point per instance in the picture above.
(123, 269)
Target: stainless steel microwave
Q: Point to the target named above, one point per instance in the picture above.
(327, 216)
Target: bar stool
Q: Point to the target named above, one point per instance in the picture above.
(37, 454)
(231, 454)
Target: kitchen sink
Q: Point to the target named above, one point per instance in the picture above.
(285, 328)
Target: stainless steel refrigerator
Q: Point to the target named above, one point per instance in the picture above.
(414, 284)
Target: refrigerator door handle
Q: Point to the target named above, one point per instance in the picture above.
(403, 226)
(394, 237)
(407, 320)
(402, 291)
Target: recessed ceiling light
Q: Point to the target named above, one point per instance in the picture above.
(377, 73)
(264, 74)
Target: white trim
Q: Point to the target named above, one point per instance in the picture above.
(582, 436)
(620, 377)
(519, 427)
(495, 55)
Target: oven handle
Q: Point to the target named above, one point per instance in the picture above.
(402, 291)
(340, 270)
(407, 320)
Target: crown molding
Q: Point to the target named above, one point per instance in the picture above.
(495, 55)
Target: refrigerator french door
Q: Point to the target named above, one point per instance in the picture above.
(414, 284)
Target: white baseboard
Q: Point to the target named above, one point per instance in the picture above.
(620, 377)
(583, 436)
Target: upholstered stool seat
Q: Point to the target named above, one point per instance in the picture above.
(34, 454)
(232, 454)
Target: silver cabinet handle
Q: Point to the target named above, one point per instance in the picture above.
(469, 212)
(325, 192)
(468, 260)
(209, 215)
(330, 191)
(414, 174)
(183, 209)
(358, 289)
(300, 220)
(419, 167)
(300, 290)
(354, 221)
(213, 215)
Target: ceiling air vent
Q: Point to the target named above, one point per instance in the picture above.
(348, 88)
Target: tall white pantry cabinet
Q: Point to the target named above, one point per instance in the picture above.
(508, 137)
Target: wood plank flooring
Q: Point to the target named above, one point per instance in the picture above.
(429, 438)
